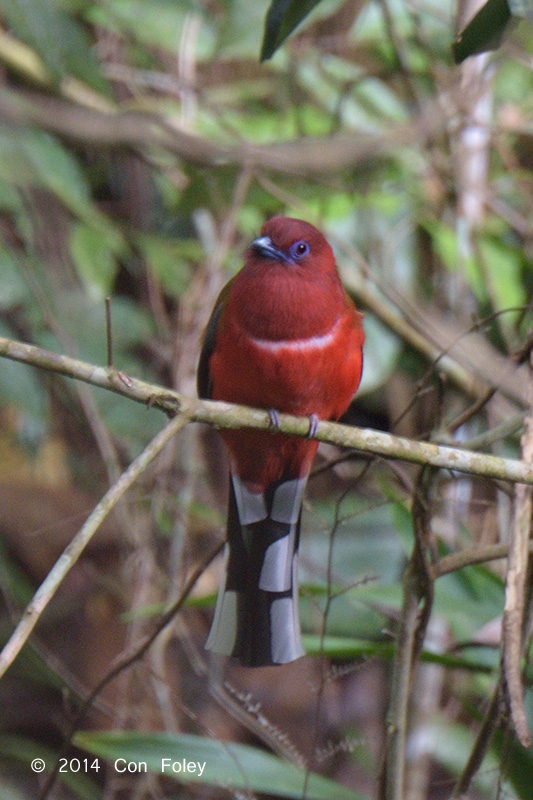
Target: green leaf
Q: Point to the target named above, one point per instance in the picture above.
(282, 18)
(59, 171)
(484, 32)
(154, 22)
(444, 239)
(20, 386)
(184, 756)
(382, 350)
(503, 267)
(468, 599)
(346, 648)
(94, 258)
(13, 289)
(451, 743)
(58, 38)
(241, 29)
(518, 763)
(34, 158)
(168, 258)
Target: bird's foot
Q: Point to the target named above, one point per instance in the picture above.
(313, 426)
(273, 416)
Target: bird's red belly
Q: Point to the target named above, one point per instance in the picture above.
(320, 382)
(297, 380)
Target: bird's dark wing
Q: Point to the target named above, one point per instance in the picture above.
(203, 378)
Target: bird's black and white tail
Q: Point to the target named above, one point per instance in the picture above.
(256, 617)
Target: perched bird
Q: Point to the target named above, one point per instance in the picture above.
(283, 336)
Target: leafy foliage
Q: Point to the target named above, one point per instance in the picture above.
(237, 766)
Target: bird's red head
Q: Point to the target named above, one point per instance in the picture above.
(289, 287)
(292, 242)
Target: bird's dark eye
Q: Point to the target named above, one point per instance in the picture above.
(299, 249)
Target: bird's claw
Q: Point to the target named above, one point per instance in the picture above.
(313, 426)
(273, 416)
(274, 419)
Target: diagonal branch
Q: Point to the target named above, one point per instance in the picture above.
(73, 551)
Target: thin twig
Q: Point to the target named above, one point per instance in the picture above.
(490, 723)
(472, 410)
(330, 596)
(393, 778)
(109, 332)
(417, 590)
(469, 557)
(509, 427)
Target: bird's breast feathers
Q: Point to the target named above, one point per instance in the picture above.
(312, 375)
(307, 344)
